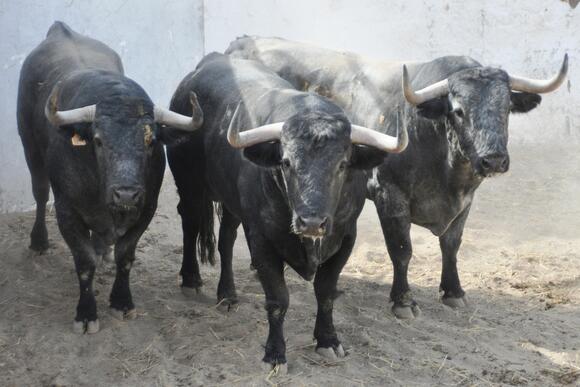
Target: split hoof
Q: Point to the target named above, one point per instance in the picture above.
(122, 315)
(331, 354)
(275, 369)
(454, 302)
(227, 304)
(82, 327)
(406, 312)
(191, 292)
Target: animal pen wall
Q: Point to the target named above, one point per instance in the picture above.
(161, 41)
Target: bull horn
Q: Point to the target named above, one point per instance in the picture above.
(432, 91)
(178, 121)
(539, 86)
(265, 133)
(67, 117)
(365, 136)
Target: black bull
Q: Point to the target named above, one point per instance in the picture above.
(90, 133)
(458, 136)
(297, 187)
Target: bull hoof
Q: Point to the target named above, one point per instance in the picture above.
(331, 354)
(122, 315)
(227, 304)
(406, 312)
(191, 292)
(275, 369)
(454, 302)
(82, 327)
(39, 247)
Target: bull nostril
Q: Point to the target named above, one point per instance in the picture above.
(505, 163)
(323, 224)
(485, 164)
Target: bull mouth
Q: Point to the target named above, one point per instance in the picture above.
(124, 217)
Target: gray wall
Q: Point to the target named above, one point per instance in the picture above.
(525, 37)
(159, 42)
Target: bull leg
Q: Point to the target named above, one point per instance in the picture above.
(396, 226)
(103, 251)
(121, 300)
(226, 292)
(327, 343)
(453, 294)
(271, 274)
(77, 236)
(40, 191)
(190, 215)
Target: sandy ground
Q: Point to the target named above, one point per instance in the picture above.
(519, 264)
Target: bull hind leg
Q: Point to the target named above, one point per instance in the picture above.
(327, 343)
(453, 294)
(226, 292)
(77, 237)
(40, 191)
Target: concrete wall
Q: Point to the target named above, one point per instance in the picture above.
(526, 37)
(159, 42)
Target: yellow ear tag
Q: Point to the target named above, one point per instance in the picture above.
(148, 134)
(76, 140)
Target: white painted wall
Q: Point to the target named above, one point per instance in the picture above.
(525, 37)
(159, 42)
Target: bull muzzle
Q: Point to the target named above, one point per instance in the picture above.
(492, 164)
(126, 198)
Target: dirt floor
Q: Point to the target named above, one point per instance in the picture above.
(519, 264)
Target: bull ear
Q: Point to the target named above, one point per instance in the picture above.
(524, 102)
(364, 157)
(266, 154)
(434, 108)
(171, 136)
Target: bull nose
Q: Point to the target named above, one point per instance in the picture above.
(127, 196)
(496, 163)
(312, 226)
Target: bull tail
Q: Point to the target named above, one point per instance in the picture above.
(206, 240)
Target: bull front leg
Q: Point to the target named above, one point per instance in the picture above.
(450, 241)
(271, 274)
(77, 236)
(120, 299)
(395, 220)
(226, 292)
(327, 343)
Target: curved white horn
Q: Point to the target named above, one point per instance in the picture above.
(365, 136)
(67, 117)
(435, 90)
(265, 133)
(540, 85)
(170, 118)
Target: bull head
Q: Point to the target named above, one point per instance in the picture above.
(313, 153)
(476, 103)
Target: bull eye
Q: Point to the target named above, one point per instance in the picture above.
(459, 112)
(342, 166)
(98, 142)
(286, 163)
